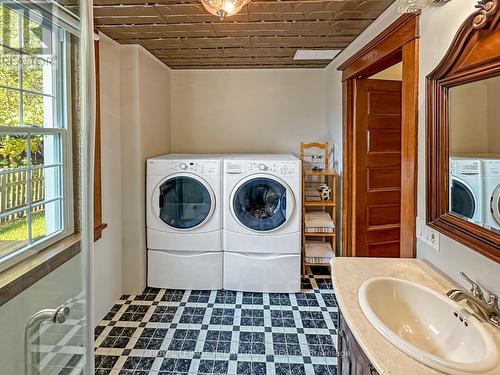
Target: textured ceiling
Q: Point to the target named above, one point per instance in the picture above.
(265, 34)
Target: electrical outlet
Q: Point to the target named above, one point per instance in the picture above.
(433, 238)
(427, 235)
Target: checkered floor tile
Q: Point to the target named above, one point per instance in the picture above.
(166, 332)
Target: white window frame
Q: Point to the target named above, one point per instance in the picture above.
(62, 117)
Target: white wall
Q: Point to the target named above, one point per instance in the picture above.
(53, 290)
(108, 250)
(493, 115)
(135, 125)
(477, 131)
(145, 122)
(392, 73)
(247, 111)
(438, 26)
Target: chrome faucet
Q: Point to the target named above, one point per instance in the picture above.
(487, 311)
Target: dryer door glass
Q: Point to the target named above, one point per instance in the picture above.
(462, 199)
(260, 204)
(495, 205)
(184, 202)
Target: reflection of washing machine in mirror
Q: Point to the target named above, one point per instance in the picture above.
(466, 191)
(491, 183)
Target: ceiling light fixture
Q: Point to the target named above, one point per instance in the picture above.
(224, 8)
(413, 6)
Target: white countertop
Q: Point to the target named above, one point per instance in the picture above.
(349, 273)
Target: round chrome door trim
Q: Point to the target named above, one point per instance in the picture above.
(495, 204)
(290, 202)
(470, 190)
(206, 185)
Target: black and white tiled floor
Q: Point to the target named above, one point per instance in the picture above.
(164, 332)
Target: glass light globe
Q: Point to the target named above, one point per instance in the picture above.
(224, 8)
(412, 6)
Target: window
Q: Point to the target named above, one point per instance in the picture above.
(35, 151)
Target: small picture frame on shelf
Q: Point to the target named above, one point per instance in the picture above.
(318, 162)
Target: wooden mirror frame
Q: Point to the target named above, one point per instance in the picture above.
(473, 55)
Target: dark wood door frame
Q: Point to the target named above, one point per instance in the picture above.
(397, 43)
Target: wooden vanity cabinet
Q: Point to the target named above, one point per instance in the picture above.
(352, 360)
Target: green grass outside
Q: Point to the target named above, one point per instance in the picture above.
(18, 230)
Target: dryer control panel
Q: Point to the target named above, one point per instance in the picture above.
(203, 167)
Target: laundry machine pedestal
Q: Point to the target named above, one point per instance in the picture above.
(185, 270)
(268, 273)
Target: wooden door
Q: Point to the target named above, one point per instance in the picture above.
(377, 168)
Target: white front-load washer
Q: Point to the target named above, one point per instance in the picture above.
(184, 221)
(466, 188)
(491, 185)
(262, 227)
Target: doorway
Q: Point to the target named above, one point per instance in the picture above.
(380, 144)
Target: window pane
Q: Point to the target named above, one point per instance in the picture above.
(9, 27)
(46, 183)
(9, 108)
(14, 189)
(13, 152)
(13, 197)
(45, 149)
(37, 39)
(37, 75)
(13, 234)
(9, 67)
(37, 186)
(37, 110)
(46, 219)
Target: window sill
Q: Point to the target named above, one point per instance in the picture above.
(21, 276)
(98, 231)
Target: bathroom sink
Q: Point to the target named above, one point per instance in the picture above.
(428, 326)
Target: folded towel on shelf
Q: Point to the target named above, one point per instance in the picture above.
(318, 252)
(319, 222)
(312, 195)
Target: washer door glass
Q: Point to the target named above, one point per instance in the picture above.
(462, 201)
(184, 202)
(495, 204)
(260, 204)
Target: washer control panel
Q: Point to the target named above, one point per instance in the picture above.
(201, 167)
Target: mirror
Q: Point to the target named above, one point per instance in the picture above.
(463, 135)
(474, 152)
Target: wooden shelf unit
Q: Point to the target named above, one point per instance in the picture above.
(309, 176)
(319, 203)
(318, 234)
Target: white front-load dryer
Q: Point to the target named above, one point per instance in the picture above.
(262, 223)
(466, 188)
(491, 183)
(184, 221)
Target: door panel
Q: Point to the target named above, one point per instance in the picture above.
(383, 178)
(388, 234)
(384, 249)
(383, 215)
(377, 168)
(384, 140)
(386, 196)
